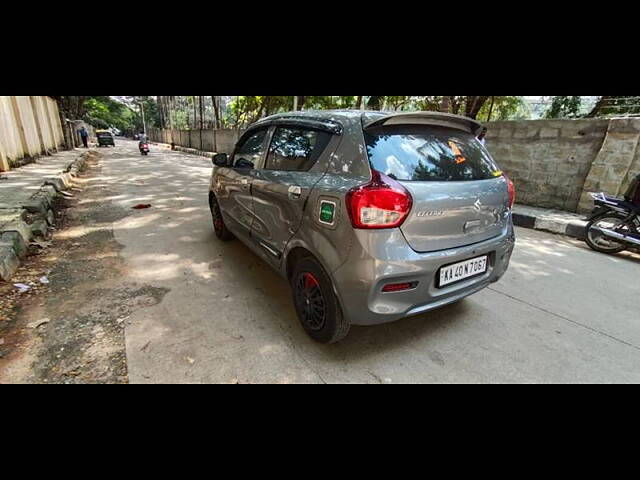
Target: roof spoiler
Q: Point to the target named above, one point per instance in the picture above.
(427, 118)
(302, 121)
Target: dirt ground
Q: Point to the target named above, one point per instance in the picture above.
(71, 329)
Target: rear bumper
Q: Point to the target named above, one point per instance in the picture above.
(383, 256)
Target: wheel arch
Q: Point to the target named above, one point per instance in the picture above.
(294, 256)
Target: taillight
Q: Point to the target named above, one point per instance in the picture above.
(381, 203)
(512, 191)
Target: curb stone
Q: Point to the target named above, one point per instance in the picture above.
(9, 262)
(16, 234)
(553, 221)
(15, 241)
(192, 151)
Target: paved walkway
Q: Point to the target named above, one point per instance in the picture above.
(20, 184)
(26, 203)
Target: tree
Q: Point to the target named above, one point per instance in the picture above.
(473, 105)
(445, 105)
(563, 107)
(374, 103)
(216, 112)
(503, 108)
(99, 111)
(615, 105)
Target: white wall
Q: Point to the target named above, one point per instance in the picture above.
(28, 127)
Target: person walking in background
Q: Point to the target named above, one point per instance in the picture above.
(84, 135)
(482, 135)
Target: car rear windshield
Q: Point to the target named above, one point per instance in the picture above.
(103, 134)
(428, 153)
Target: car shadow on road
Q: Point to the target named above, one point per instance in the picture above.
(361, 341)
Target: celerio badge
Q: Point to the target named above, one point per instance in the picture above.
(430, 213)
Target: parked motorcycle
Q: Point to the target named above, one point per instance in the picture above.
(614, 223)
(144, 148)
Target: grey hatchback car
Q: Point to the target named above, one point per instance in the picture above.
(370, 216)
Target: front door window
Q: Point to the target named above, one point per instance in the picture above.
(249, 152)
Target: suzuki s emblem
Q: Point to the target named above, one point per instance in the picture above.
(477, 205)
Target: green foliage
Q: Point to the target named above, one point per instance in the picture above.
(241, 111)
(504, 108)
(563, 107)
(615, 105)
(105, 112)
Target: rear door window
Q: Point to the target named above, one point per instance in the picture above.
(428, 153)
(295, 148)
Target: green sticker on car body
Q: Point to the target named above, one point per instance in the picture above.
(327, 212)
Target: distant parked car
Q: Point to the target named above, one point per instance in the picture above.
(370, 216)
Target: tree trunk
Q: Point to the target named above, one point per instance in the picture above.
(200, 105)
(490, 109)
(238, 113)
(160, 111)
(598, 106)
(267, 108)
(63, 123)
(455, 105)
(445, 105)
(264, 103)
(80, 108)
(358, 102)
(194, 112)
(216, 113)
(301, 100)
(172, 108)
(473, 106)
(374, 103)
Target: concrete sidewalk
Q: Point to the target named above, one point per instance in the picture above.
(26, 202)
(548, 220)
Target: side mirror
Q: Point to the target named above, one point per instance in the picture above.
(221, 160)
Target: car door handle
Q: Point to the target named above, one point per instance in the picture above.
(294, 192)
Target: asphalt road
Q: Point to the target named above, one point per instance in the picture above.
(562, 313)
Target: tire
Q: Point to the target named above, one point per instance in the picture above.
(316, 304)
(592, 237)
(219, 227)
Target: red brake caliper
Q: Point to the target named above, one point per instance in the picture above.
(310, 281)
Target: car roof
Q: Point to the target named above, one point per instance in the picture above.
(374, 117)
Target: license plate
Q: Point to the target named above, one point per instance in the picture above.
(461, 270)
